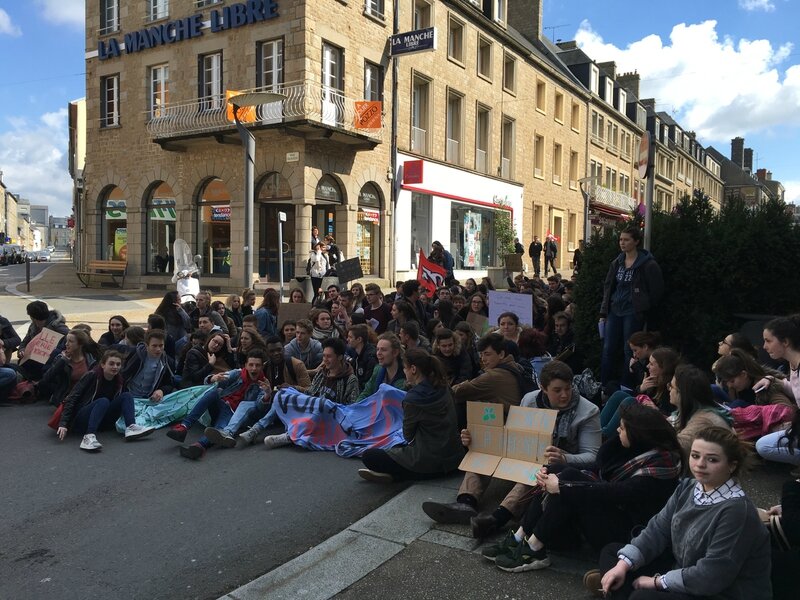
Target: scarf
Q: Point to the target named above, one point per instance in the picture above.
(323, 334)
(659, 464)
(561, 432)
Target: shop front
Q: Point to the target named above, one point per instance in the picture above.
(368, 227)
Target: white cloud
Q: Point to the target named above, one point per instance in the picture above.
(719, 88)
(72, 12)
(753, 5)
(7, 27)
(33, 158)
(792, 191)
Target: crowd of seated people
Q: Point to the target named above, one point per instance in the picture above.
(619, 472)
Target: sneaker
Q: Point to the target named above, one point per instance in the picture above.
(249, 436)
(483, 526)
(220, 437)
(178, 432)
(504, 546)
(455, 513)
(90, 443)
(276, 441)
(195, 451)
(523, 558)
(591, 581)
(133, 432)
(375, 476)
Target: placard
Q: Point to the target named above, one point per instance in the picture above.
(41, 346)
(293, 311)
(519, 304)
(478, 322)
(349, 270)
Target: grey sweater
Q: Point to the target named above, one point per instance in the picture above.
(721, 551)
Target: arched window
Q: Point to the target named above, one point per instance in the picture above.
(114, 225)
(327, 194)
(274, 187)
(214, 227)
(160, 228)
(274, 197)
(368, 228)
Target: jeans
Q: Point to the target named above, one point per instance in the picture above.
(618, 331)
(102, 414)
(772, 447)
(550, 262)
(8, 379)
(246, 411)
(219, 410)
(609, 416)
(269, 418)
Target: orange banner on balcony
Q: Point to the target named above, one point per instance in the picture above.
(368, 115)
(247, 114)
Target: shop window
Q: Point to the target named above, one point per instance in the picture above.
(274, 196)
(328, 193)
(114, 225)
(214, 227)
(368, 228)
(420, 226)
(160, 228)
(472, 236)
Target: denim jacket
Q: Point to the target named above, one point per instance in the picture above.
(234, 381)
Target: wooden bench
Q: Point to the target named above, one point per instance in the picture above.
(104, 269)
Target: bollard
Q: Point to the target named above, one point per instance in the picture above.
(28, 273)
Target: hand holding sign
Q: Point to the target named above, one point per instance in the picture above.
(41, 346)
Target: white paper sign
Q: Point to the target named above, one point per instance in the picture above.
(519, 304)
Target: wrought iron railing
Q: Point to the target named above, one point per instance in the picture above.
(608, 197)
(302, 101)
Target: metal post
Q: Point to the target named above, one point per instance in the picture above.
(249, 144)
(395, 185)
(648, 202)
(281, 220)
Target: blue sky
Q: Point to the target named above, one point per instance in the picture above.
(722, 67)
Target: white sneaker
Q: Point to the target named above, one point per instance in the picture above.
(135, 431)
(90, 443)
(276, 441)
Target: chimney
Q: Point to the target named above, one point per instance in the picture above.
(761, 174)
(748, 160)
(609, 67)
(526, 17)
(737, 150)
(769, 175)
(630, 83)
(571, 45)
(649, 103)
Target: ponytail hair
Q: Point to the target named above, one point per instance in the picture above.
(430, 367)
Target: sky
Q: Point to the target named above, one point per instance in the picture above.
(722, 68)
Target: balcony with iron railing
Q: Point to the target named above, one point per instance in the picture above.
(308, 108)
(608, 197)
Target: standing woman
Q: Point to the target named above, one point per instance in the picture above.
(718, 547)
(633, 286)
(782, 342)
(433, 444)
(177, 320)
(316, 268)
(267, 314)
(116, 331)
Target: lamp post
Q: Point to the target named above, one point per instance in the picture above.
(587, 196)
(240, 101)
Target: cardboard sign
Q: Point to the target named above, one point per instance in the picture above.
(514, 451)
(41, 346)
(349, 270)
(293, 312)
(478, 322)
(519, 304)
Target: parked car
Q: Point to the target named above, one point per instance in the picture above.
(40, 256)
(11, 254)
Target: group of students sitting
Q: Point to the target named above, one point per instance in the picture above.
(648, 478)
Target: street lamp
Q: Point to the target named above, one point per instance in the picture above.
(250, 99)
(586, 191)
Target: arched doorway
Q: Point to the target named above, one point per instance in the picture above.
(160, 205)
(275, 196)
(368, 227)
(327, 195)
(214, 227)
(113, 225)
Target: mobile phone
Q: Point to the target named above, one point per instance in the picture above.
(759, 389)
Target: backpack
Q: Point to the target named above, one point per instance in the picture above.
(525, 385)
(308, 267)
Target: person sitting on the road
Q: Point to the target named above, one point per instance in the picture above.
(267, 313)
(179, 324)
(389, 369)
(8, 378)
(707, 542)
(200, 363)
(203, 308)
(361, 353)
(155, 321)
(411, 338)
(334, 381)
(9, 339)
(197, 341)
(96, 403)
(690, 393)
(148, 372)
(67, 369)
(249, 339)
(41, 318)
(303, 347)
(738, 373)
(116, 331)
(234, 387)
(499, 381)
(575, 441)
(447, 348)
(433, 447)
(634, 475)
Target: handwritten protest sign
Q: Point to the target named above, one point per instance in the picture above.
(41, 346)
(519, 304)
(293, 311)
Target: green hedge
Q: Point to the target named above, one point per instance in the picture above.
(740, 260)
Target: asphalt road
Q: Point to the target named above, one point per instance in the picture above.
(138, 521)
(11, 275)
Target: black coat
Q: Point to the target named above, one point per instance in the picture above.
(647, 283)
(55, 382)
(83, 393)
(195, 367)
(8, 335)
(535, 249)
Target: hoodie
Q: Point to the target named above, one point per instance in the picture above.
(311, 356)
(84, 393)
(636, 290)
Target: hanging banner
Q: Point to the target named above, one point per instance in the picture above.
(368, 115)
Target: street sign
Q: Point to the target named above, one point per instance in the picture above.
(421, 40)
(643, 160)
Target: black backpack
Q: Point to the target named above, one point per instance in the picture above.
(525, 384)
